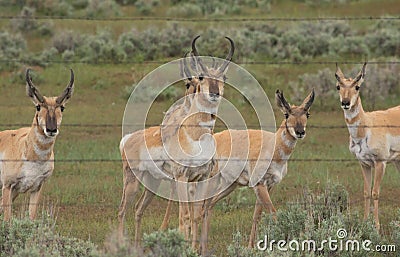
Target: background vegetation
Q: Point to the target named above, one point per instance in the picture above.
(111, 45)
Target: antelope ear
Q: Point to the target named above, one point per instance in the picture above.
(360, 76)
(339, 74)
(67, 93)
(308, 101)
(32, 91)
(281, 102)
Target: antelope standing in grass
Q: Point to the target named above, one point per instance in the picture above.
(131, 182)
(188, 137)
(257, 148)
(26, 154)
(374, 136)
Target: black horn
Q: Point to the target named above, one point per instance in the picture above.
(194, 50)
(228, 58)
(31, 90)
(66, 95)
(185, 73)
(195, 55)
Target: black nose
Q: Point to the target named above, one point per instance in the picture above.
(51, 130)
(345, 103)
(214, 94)
(300, 133)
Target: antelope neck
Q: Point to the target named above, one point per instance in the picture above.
(199, 124)
(354, 118)
(40, 147)
(284, 139)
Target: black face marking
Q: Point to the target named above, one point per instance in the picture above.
(286, 115)
(51, 123)
(357, 88)
(62, 108)
(214, 89)
(338, 87)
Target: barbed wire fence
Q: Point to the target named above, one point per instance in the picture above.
(206, 20)
(394, 200)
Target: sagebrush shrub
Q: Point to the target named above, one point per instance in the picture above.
(38, 238)
(315, 216)
(12, 48)
(102, 8)
(45, 29)
(184, 10)
(25, 21)
(66, 40)
(168, 243)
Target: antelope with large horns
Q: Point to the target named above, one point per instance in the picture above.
(374, 136)
(26, 154)
(186, 132)
(202, 118)
(140, 138)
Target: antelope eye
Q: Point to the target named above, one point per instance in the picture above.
(338, 87)
(286, 115)
(357, 88)
(190, 78)
(187, 86)
(38, 108)
(62, 108)
(201, 77)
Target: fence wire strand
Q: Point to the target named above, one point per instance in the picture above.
(100, 62)
(249, 126)
(205, 20)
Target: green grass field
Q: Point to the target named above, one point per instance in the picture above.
(84, 195)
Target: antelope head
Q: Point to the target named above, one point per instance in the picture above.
(295, 116)
(49, 109)
(211, 79)
(349, 88)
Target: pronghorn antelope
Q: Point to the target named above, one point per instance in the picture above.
(254, 160)
(374, 136)
(186, 132)
(26, 154)
(140, 138)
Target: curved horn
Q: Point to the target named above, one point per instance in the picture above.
(228, 58)
(214, 63)
(67, 91)
(185, 73)
(31, 90)
(195, 56)
(194, 50)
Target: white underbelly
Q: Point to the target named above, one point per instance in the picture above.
(152, 160)
(33, 174)
(275, 173)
